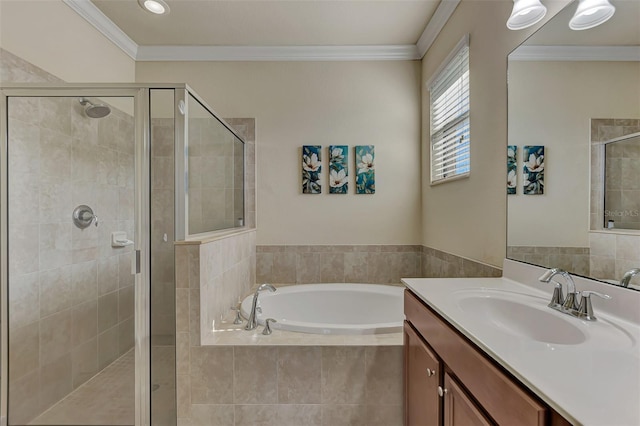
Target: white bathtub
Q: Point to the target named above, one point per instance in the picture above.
(332, 308)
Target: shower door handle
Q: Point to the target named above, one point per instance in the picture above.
(135, 262)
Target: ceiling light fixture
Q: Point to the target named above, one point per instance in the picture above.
(525, 13)
(591, 13)
(158, 7)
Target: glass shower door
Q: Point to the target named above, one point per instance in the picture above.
(73, 184)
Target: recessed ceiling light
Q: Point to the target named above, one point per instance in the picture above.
(158, 7)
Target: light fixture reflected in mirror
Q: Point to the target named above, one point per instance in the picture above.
(158, 7)
(591, 13)
(525, 13)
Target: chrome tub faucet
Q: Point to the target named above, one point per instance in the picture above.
(252, 322)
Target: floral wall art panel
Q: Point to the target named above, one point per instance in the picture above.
(365, 173)
(512, 168)
(311, 167)
(338, 169)
(533, 169)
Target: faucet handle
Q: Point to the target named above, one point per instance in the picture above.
(585, 310)
(267, 326)
(588, 293)
(238, 319)
(558, 298)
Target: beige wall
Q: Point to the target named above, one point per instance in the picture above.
(561, 99)
(323, 103)
(467, 217)
(50, 35)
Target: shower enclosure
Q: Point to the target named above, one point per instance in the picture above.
(97, 183)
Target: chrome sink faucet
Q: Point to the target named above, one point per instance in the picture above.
(558, 301)
(624, 282)
(569, 305)
(252, 322)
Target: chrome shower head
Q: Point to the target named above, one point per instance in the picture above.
(94, 110)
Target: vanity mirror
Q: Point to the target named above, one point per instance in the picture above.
(576, 92)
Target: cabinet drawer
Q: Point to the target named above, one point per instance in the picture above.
(500, 396)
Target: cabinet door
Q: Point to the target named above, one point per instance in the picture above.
(422, 378)
(459, 409)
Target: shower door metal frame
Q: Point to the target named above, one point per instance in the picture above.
(140, 95)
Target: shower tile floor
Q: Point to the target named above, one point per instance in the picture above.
(106, 399)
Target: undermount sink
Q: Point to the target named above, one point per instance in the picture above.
(522, 316)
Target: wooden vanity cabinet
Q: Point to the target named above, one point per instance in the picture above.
(471, 389)
(459, 408)
(422, 378)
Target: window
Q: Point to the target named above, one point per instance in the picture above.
(449, 107)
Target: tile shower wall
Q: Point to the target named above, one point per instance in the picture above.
(71, 294)
(215, 174)
(625, 194)
(574, 259)
(612, 252)
(212, 192)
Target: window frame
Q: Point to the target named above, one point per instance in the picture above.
(455, 123)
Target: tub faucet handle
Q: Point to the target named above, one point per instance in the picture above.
(238, 319)
(267, 326)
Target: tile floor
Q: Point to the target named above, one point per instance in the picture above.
(106, 399)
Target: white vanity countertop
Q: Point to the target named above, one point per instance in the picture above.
(596, 382)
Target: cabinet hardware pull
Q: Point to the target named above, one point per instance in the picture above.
(441, 391)
(431, 372)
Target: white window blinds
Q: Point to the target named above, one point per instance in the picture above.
(449, 105)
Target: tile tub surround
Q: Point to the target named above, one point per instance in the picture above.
(347, 384)
(371, 264)
(440, 264)
(291, 385)
(81, 288)
(302, 264)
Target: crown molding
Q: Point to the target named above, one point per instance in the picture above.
(437, 22)
(94, 16)
(576, 53)
(102, 23)
(277, 53)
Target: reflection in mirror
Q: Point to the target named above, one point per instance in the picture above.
(622, 183)
(572, 92)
